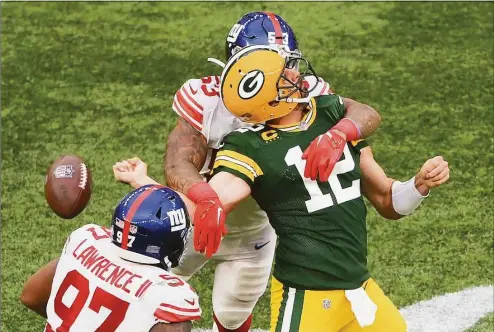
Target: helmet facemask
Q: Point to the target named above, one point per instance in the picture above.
(295, 91)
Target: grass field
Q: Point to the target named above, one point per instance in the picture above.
(97, 79)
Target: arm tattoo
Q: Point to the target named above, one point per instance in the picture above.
(185, 155)
(367, 118)
(172, 327)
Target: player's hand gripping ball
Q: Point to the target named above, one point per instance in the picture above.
(68, 186)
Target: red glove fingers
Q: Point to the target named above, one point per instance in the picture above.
(312, 155)
(214, 238)
(325, 150)
(209, 218)
(202, 216)
(326, 166)
(323, 153)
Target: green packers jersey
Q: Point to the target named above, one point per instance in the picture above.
(322, 237)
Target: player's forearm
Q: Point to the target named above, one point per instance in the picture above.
(143, 180)
(376, 185)
(172, 327)
(391, 198)
(37, 289)
(382, 199)
(182, 177)
(231, 190)
(186, 153)
(365, 117)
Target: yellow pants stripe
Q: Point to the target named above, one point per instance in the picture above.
(278, 299)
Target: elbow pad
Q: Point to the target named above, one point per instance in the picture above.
(405, 197)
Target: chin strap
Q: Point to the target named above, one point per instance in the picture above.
(217, 62)
(296, 100)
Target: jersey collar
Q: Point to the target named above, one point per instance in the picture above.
(307, 120)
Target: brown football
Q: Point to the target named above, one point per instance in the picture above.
(68, 186)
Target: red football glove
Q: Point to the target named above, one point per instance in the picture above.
(326, 149)
(209, 218)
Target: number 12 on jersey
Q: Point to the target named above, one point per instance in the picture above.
(318, 200)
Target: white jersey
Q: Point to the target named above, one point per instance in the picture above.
(95, 290)
(198, 102)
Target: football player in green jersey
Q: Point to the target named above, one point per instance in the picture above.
(320, 279)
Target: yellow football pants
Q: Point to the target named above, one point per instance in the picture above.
(294, 310)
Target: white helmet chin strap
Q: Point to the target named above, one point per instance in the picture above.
(217, 62)
(296, 100)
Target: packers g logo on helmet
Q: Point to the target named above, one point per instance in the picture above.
(254, 86)
(250, 84)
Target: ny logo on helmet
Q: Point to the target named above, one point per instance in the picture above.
(251, 84)
(234, 32)
(177, 219)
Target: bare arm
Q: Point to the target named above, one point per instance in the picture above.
(172, 327)
(142, 179)
(37, 289)
(185, 155)
(376, 185)
(230, 189)
(366, 118)
(389, 196)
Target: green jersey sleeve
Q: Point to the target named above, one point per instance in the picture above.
(332, 106)
(359, 144)
(237, 157)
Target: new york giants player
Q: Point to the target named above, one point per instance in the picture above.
(245, 255)
(118, 279)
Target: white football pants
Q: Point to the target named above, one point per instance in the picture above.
(241, 275)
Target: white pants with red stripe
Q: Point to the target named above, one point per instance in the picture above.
(241, 276)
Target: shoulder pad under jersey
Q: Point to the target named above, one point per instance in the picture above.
(196, 98)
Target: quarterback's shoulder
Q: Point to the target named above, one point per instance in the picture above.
(247, 136)
(239, 153)
(174, 300)
(330, 107)
(90, 232)
(328, 100)
(196, 98)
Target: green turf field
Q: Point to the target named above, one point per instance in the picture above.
(98, 79)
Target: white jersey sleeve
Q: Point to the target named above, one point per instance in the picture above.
(173, 299)
(196, 98)
(198, 102)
